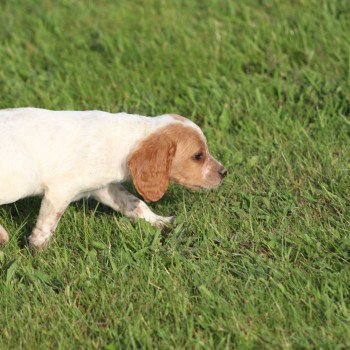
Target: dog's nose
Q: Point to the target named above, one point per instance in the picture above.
(223, 172)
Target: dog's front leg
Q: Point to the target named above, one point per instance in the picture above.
(52, 207)
(119, 199)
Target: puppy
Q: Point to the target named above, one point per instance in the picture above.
(67, 155)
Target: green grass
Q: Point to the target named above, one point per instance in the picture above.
(262, 262)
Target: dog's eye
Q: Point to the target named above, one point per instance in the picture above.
(198, 156)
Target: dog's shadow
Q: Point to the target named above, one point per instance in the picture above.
(24, 213)
(21, 216)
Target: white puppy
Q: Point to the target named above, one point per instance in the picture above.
(66, 155)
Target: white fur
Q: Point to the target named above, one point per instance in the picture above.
(67, 155)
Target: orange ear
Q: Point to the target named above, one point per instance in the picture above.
(150, 166)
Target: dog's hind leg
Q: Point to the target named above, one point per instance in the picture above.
(4, 237)
(52, 207)
(119, 199)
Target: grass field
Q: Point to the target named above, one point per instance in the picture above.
(262, 262)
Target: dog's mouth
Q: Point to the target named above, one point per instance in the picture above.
(212, 183)
(206, 186)
(207, 183)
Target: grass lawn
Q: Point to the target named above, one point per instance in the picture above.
(263, 261)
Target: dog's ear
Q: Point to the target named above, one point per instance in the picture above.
(150, 166)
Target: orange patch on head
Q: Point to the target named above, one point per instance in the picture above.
(178, 117)
(175, 152)
(193, 166)
(185, 169)
(150, 165)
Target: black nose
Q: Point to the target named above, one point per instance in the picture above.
(223, 172)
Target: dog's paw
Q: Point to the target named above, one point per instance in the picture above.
(37, 240)
(4, 237)
(162, 222)
(36, 246)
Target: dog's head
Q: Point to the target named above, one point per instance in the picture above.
(175, 152)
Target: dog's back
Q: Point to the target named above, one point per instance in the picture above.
(38, 146)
